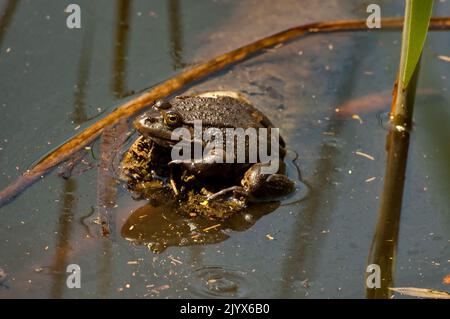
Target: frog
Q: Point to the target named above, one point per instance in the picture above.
(219, 110)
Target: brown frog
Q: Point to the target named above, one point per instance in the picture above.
(219, 111)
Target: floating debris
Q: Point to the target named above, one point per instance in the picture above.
(157, 290)
(370, 179)
(422, 292)
(358, 118)
(444, 58)
(175, 260)
(365, 155)
(305, 283)
(211, 227)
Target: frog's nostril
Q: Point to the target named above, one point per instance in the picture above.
(149, 118)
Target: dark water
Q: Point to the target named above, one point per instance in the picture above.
(56, 81)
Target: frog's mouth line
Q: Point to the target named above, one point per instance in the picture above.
(162, 138)
(157, 134)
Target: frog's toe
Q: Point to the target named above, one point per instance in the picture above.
(224, 191)
(179, 162)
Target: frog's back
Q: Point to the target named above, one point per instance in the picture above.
(220, 112)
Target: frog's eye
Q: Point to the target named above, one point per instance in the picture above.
(162, 105)
(172, 119)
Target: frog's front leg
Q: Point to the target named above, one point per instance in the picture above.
(209, 165)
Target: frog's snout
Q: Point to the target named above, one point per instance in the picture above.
(139, 122)
(145, 120)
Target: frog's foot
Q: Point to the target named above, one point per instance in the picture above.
(274, 187)
(225, 191)
(260, 186)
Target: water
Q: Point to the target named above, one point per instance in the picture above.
(219, 282)
(56, 81)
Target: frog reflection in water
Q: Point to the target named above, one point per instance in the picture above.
(161, 227)
(246, 181)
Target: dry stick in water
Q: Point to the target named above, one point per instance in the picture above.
(187, 77)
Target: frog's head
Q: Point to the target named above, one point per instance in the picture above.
(159, 123)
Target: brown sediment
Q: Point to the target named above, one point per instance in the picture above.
(176, 83)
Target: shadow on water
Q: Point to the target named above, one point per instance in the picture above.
(307, 227)
(121, 47)
(6, 17)
(176, 33)
(110, 141)
(106, 185)
(63, 238)
(105, 269)
(79, 116)
(114, 136)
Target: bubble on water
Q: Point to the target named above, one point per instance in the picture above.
(384, 120)
(221, 282)
(249, 218)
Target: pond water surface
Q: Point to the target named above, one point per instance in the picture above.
(56, 81)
